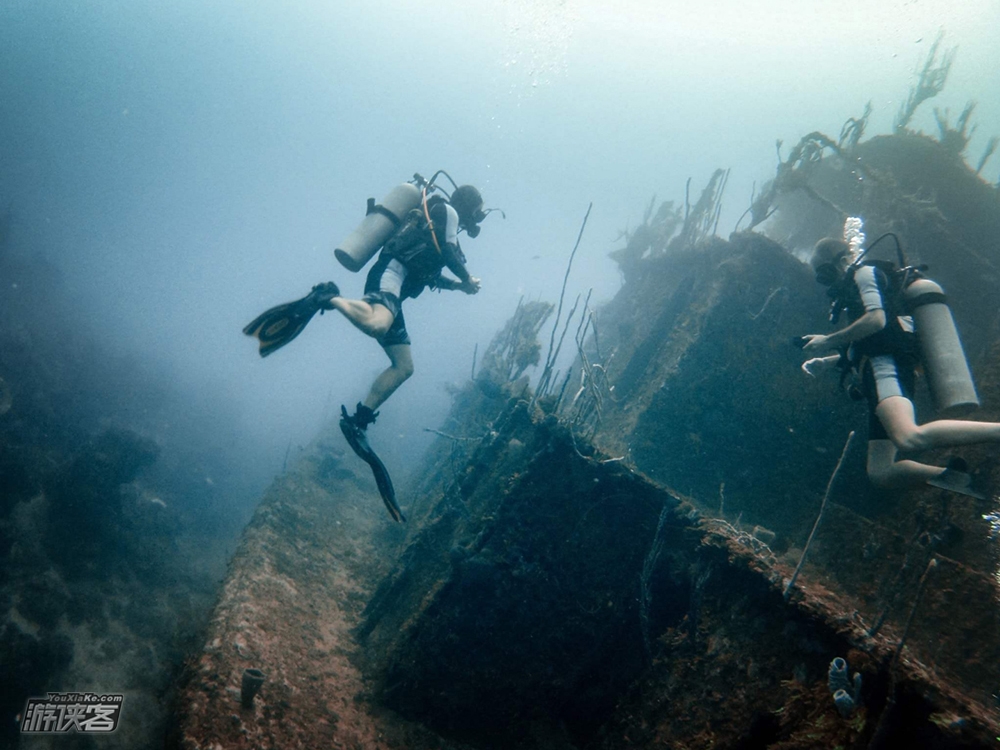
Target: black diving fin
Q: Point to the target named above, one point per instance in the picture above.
(956, 478)
(358, 441)
(279, 325)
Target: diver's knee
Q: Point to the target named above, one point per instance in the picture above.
(911, 440)
(405, 370)
(379, 321)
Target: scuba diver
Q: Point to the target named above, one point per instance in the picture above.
(881, 344)
(417, 229)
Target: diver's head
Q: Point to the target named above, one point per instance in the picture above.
(468, 203)
(830, 259)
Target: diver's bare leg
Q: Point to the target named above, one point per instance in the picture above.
(897, 415)
(886, 472)
(399, 370)
(372, 320)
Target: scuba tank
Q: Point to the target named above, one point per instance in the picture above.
(380, 222)
(941, 351)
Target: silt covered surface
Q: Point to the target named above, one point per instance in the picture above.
(304, 569)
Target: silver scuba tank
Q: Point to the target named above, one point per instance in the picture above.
(380, 222)
(941, 350)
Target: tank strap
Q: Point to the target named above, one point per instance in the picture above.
(374, 208)
(430, 224)
(927, 298)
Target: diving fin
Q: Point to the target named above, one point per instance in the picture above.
(358, 441)
(279, 325)
(955, 478)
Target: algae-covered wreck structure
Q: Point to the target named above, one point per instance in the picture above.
(604, 560)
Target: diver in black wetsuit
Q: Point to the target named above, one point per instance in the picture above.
(412, 260)
(423, 244)
(876, 344)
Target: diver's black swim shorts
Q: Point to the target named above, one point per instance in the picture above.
(397, 331)
(883, 376)
(383, 287)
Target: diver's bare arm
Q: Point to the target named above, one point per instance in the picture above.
(818, 364)
(871, 322)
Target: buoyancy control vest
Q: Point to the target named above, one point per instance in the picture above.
(417, 247)
(383, 220)
(897, 337)
(919, 328)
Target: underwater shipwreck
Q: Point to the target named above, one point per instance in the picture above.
(609, 558)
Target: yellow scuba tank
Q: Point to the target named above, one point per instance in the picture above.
(941, 350)
(380, 221)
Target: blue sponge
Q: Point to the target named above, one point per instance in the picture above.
(846, 695)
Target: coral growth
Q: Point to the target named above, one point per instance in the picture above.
(930, 83)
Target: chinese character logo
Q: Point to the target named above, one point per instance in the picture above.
(61, 713)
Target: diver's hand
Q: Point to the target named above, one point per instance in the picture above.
(471, 286)
(817, 364)
(816, 343)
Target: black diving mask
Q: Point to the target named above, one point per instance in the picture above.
(471, 224)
